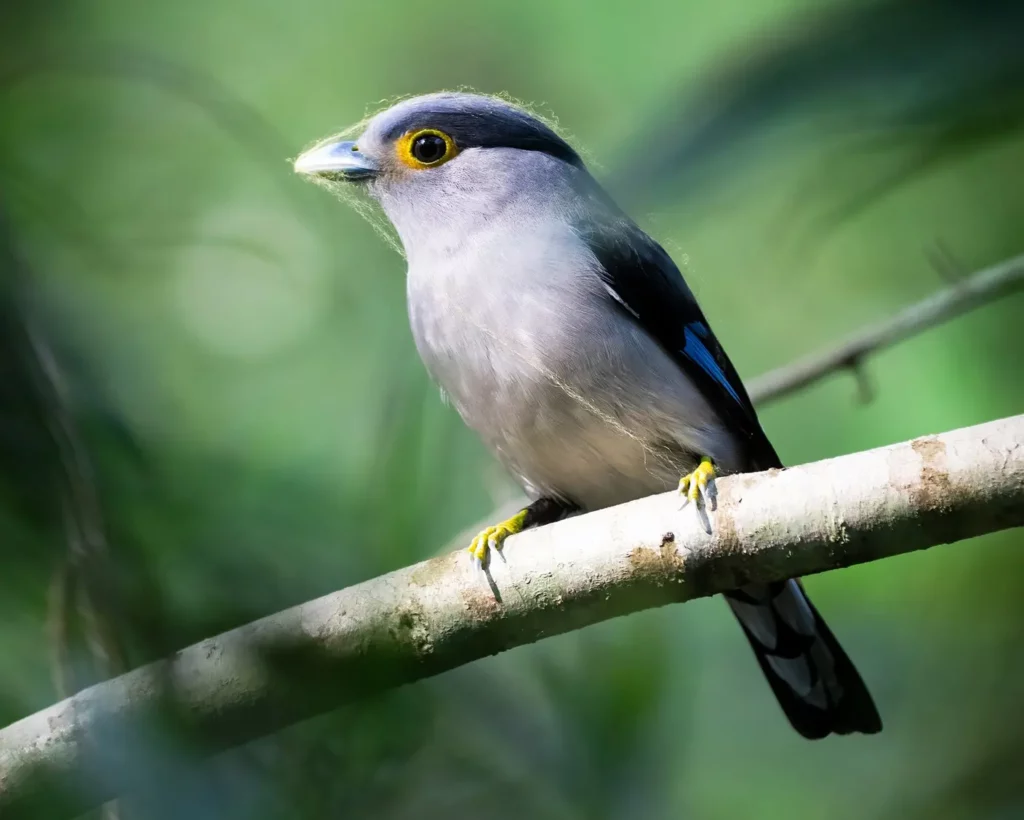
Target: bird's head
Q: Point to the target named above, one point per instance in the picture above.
(445, 159)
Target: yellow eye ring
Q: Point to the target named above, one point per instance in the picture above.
(426, 148)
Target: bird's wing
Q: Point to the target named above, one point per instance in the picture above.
(644, 282)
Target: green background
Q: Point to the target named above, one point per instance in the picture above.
(262, 432)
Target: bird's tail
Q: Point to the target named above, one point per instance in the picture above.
(815, 682)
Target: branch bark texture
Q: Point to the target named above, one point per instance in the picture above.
(442, 613)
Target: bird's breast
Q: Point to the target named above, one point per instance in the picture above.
(566, 389)
(489, 336)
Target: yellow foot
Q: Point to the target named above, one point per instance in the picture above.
(699, 483)
(493, 537)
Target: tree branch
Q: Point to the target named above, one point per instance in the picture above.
(979, 289)
(441, 614)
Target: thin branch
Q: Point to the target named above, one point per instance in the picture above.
(442, 613)
(974, 291)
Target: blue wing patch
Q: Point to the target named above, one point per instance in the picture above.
(695, 350)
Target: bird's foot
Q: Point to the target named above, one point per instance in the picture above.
(700, 484)
(493, 537)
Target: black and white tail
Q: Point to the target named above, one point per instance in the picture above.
(816, 683)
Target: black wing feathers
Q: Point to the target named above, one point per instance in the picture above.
(645, 282)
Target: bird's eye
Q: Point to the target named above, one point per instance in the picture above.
(429, 148)
(426, 149)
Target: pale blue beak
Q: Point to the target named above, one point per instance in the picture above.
(336, 160)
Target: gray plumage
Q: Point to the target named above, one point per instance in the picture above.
(515, 335)
(568, 340)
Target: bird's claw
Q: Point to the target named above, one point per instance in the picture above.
(700, 484)
(494, 537)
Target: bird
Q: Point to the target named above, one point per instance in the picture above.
(569, 341)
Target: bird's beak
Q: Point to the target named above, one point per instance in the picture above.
(336, 160)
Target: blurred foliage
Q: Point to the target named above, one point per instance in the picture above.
(230, 355)
(938, 80)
